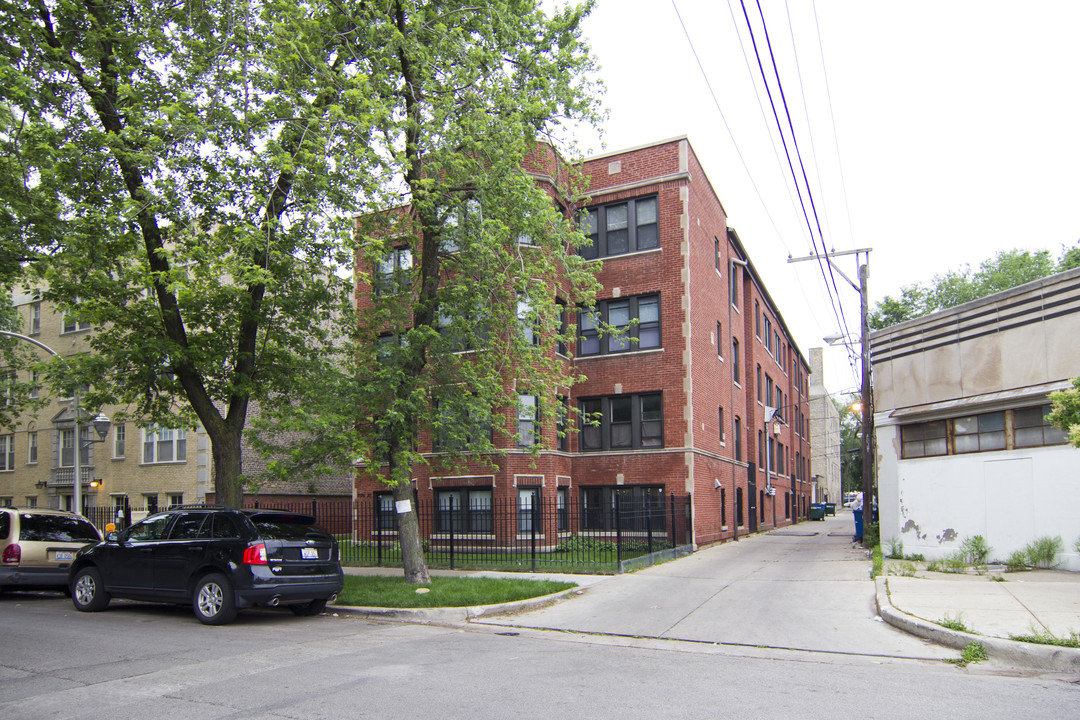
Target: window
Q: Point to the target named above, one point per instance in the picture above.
(7, 380)
(721, 424)
(464, 510)
(460, 428)
(634, 321)
(759, 383)
(150, 502)
(527, 320)
(161, 445)
(35, 318)
(67, 447)
(562, 507)
(175, 499)
(924, 439)
(1032, 430)
(392, 274)
(733, 284)
(723, 507)
(560, 345)
(7, 452)
(979, 433)
(738, 438)
(760, 449)
(757, 318)
(640, 507)
(768, 389)
(528, 510)
(35, 378)
(73, 324)
(620, 228)
(32, 448)
(622, 422)
(119, 439)
(385, 517)
(735, 361)
(528, 426)
(738, 507)
(31, 501)
(716, 251)
(719, 342)
(562, 411)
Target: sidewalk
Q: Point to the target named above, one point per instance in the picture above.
(991, 607)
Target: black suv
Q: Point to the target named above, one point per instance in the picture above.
(218, 558)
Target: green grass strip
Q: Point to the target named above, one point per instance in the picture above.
(394, 592)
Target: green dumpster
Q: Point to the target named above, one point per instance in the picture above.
(830, 508)
(817, 511)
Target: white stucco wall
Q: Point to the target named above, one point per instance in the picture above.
(1009, 497)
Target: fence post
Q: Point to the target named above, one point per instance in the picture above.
(534, 501)
(618, 530)
(376, 512)
(648, 522)
(674, 534)
(451, 532)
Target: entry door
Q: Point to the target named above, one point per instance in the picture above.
(751, 497)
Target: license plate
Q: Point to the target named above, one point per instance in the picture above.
(309, 553)
(64, 555)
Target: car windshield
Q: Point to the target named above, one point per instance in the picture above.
(56, 528)
(286, 526)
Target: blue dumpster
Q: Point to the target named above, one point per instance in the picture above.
(858, 524)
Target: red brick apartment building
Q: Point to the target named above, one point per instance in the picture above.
(688, 410)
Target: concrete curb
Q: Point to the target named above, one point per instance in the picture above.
(454, 615)
(1039, 657)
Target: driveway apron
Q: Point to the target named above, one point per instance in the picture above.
(803, 587)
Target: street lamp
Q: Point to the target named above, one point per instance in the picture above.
(101, 424)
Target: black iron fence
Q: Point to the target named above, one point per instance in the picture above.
(543, 534)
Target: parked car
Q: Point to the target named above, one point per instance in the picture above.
(38, 545)
(217, 558)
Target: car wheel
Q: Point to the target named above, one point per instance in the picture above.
(88, 592)
(214, 602)
(307, 609)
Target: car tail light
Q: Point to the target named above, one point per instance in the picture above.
(12, 554)
(255, 554)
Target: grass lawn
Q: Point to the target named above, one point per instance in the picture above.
(394, 592)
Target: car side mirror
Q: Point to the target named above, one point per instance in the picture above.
(112, 537)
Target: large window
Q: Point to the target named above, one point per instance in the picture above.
(632, 508)
(979, 433)
(31, 448)
(163, 445)
(984, 432)
(620, 228)
(622, 422)
(393, 273)
(635, 322)
(464, 510)
(119, 440)
(1032, 429)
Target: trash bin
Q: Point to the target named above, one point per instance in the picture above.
(830, 508)
(858, 524)
(817, 511)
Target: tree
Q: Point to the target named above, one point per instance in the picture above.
(851, 469)
(1004, 271)
(1065, 411)
(182, 176)
(478, 258)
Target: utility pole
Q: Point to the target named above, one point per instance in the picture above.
(864, 341)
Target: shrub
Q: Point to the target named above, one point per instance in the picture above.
(1017, 561)
(581, 544)
(896, 549)
(1042, 552)
(975, 550)
(871, 535)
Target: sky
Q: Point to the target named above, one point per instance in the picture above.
(935, 132)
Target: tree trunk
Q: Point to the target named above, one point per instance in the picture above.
(412, 552)
(225, 449)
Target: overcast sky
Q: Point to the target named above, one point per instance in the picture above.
(937, 132)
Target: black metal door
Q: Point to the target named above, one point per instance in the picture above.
(751, 496)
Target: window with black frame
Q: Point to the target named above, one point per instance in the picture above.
(622, 422)
(630, 508)
(633, 322)
(464, 510)
(621, 228)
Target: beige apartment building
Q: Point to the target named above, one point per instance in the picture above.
(137, 467)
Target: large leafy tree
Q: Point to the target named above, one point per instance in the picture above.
(1065, 411)
(182, 176)
(460, 277)
(851, 467)
(1003, 271)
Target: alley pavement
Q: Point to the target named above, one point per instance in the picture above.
(806, 587)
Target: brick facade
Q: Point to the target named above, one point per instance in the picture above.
(688, 263)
